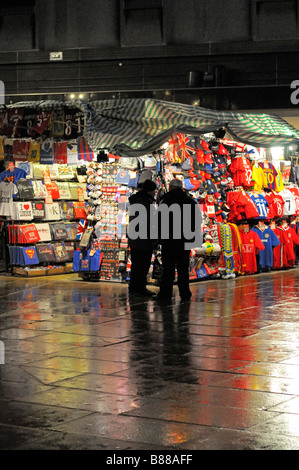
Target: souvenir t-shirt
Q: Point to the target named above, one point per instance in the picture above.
(27, 122)
(44, 232)
(250, 243)
(241, 206)
(34, 152)
(241, 170)
(58, 231)
(276, 203)
(58, 122)
(47, 152)
(59, 252)
(261, 204)
(23, 210)
(295, 193)
(270, 241)
(41, 123)
(7, 191)
(20, 149)
(14, 121)
(38, 209)
(25, 189)
(289, 199)
(60, 152)
(30, 255)
(27, 167)
(72, 153)
(269, 175)
(257, 177)
(45, 252)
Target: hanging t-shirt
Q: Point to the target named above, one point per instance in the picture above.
(241, 206)
(14, 121)
(60, 152)
(269, 174)
(20, 149)
(15, 175)
(261, 204)
(289, 199)
(47, 152)
(257, 177)
(28, 120)
(270, 241)
(290, 239)
(7, 191)
(295, 193)
(34, 152)
(251, 242)
(276, 203)
(241, 170)
(41, 123)
(279, 186)
(72, 153)
(58, 123)
(25, 189)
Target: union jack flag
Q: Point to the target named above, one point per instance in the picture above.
(81, 226)
(173, 149)
(186, 145)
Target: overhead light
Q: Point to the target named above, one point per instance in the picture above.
(72, 96)
(81, 96)
(56, 56)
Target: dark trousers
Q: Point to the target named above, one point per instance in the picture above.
(140, 264)
(175, 257)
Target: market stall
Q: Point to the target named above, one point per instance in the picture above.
(68, 170)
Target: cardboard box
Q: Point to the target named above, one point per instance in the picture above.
(29, 273)
(54, 271)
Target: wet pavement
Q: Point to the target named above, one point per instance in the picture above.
(87, 367)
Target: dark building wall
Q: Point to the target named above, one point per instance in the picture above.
(241, 53)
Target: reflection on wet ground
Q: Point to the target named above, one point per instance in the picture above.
(86, 367)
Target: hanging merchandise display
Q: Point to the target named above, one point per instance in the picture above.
(67, 180)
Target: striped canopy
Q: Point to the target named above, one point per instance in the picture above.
(138, 126)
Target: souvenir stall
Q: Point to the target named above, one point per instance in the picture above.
(69, 170)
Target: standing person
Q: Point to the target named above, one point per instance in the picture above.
(174, 253)
(141, 248)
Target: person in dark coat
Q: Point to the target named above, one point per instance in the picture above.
(141, 249)
(174, 252)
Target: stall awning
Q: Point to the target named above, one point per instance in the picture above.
(138, 126)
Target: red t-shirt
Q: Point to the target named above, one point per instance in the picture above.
(250, 243)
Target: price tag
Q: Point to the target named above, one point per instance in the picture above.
(80, 195)
(47, 177)
(49, 198)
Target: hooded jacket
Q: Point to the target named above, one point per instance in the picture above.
(145, 199)
(180, 197)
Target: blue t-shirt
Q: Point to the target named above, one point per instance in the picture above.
(261, 204)
(270, 241)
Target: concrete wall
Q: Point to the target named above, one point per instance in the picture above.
(241, 52)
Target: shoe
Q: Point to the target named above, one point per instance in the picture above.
(145, 293)
(163, 299)
(186, 299)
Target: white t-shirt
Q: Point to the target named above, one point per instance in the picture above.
(7, 191)
(289, 207)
